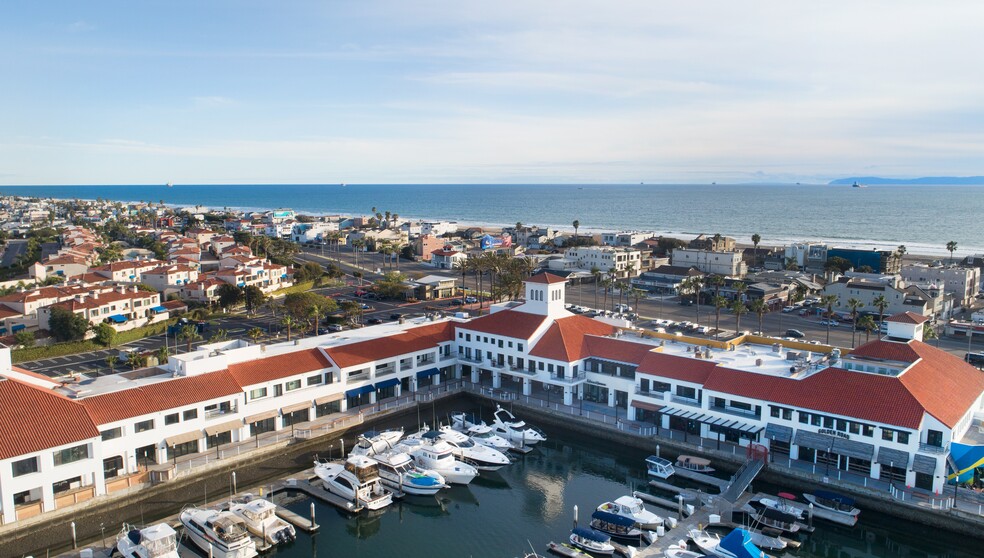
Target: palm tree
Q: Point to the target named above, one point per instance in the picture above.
(755, 242)
(720, 303)
(900, 253)
(218, 335)
(111, 361)
(163, 354)
(462, 266)
(613, 282)
(951, 247)
(829, 301)
(929, 332)
(577, 225)
(288, 322)
(854, 304)
(189, 334)
(637, 294)
(881, 303)
(867, 323)
(605, 283)
(357, 246)
(254, 334)
(314, 312)
(596, 273)
(760, 308)
(739, 308)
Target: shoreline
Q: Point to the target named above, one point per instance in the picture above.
(919, 251)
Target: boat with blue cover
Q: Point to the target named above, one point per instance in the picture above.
(592, 541)
(736, 544)
(840, 507)
(620, 528)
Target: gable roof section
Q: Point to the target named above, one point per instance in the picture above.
(34, 419)
(944, 384)
(907, 318)
(546, 278)
(409, 341)
(617, 349)
(887, 350)
(565, 338)
(263, 370)
(507, 323)
(676, 367)
(160, 396)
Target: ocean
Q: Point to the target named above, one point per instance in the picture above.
(923, 218)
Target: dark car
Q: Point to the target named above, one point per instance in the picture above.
(374, 321)
(795, 333)
(396, 316)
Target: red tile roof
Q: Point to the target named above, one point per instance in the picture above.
(160, 396)
(281, 366)
(409, 341)
(618, 350)
(887, 350)
(907, 318)
(508, 323)
(565, 338)
(676, 367)
(546, 278)
(944, 384)
(34, 419)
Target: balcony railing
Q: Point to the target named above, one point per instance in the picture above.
(474, 359)
(568, 379)
(219, 413)
(684, 400)
(734, 411)
(930, 448)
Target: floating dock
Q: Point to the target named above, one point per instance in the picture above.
(702, 478)
(317, 492)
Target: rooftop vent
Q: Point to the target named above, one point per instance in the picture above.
(792, 355)
(758, 362)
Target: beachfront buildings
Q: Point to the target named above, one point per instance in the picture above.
(728, 264)
(958, 281)
(891, 409)
(621, 262)
(625, 239)
(866, 291)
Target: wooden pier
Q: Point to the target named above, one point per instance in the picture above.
(701, 518)
(317, 492)
(702, 478)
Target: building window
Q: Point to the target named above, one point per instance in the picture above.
(278, 390)
(257, 393)
(519, 347)
(143, 426)
(71, 455)
(315, 380)
(293, 384)
(867, 430)
(112, 467)
(171, 419)
(66, 485)
(112, 433)
(902, 437)
(25, 466)
(888, 435)
(774, 412)
(190, 414)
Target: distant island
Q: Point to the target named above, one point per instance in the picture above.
(926, 180)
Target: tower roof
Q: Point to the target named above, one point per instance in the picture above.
(546, 278)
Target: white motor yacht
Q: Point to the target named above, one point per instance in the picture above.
(373, 442)
(430, 452)
(221, 534)
(680, 550)
(156, 541)
(592, 541)
(261, 519)
(399, 473)
(482, 457)
(356, 480)
(780, 504)
(634, 509)
(505, 424)
(480, 432)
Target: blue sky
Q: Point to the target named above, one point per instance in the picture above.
(415, 92)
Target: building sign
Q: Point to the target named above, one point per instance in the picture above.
(837, 433)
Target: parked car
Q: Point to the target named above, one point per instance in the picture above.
(470, 300)
(374, 321)
(335, 328)
(803, 312)
(396, 316)
(795, 333)
(788, 309)
(622, 308)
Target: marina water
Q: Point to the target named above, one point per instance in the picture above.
(531, 503)
(924, 218)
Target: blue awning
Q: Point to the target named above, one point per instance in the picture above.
(159, 309)
(360, 391)
(18, 327)
(613, 519)
(388, 383)
(428, 373)
(118, 318)
(591, 534)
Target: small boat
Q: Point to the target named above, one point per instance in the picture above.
(156, 541)
(833, 502)
(695, 464)
(430, 452)
(659, 467)
(221, 534)
(680, 550)
(592, 541)
(620, 528)
(505, 424)
(170, 185)
(261, 520)
(775, 519)
(858, 185)
(372, 442)
(781, 504)
(634, 509)
(567, 550)
(398, 472)
(736, 544)
(483, 434)
(356, 480)
(481, 457)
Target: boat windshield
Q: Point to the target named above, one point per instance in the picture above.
(482, 435)
(444, 455)
(466, 444)
(161, 546)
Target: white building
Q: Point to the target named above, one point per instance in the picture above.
(729, 264)
(625, 238)
(625, 261)
(960, 282)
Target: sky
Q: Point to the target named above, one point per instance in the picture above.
(221, 92)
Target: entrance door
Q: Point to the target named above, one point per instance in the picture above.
(924, 481)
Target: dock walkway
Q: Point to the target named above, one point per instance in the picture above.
(701, 518)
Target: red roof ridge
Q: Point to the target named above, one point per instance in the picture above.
(907, 318)
(546, 278)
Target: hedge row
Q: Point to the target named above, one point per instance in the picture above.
(75, 347)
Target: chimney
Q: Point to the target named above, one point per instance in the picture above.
(94, 295)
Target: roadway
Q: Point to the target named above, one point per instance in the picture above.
(13, 249)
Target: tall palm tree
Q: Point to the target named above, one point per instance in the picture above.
(739, 308)
(760, 309)
(357, 246)
(613, 281)
(254, 334)
(854, 304)
(951, 247)
(605, 283)
(881, 303)
(189, 334)
(720, 303)
(900, 253)
(829, 301)
(288, 322)
(577, 225)
(867, 323)
(596, 273)
(462, 266)
(755, 242)
(314, 312)
(637, 294)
